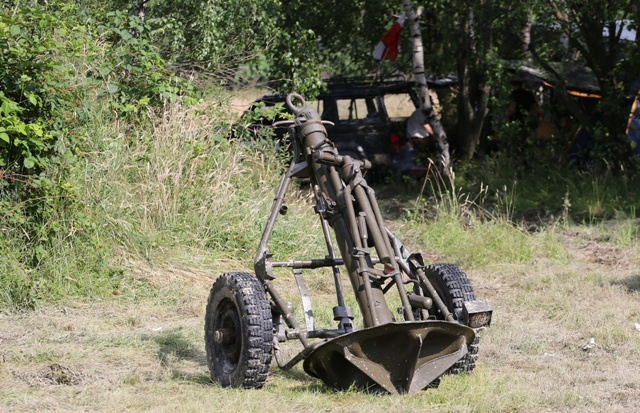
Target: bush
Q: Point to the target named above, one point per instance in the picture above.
(59, 76)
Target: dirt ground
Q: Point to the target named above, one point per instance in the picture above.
(565, 337)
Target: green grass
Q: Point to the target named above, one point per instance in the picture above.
(170, 205)
(169, 189)
(588, 194)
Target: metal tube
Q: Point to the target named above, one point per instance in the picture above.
(259, 262)
(332, 255)
(371, 300)
(377, 214)
(373, 225)
(315, 263)
(408, 313)
(424, 282)
(288, 316)
(381, 242)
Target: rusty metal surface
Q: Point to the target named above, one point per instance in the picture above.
(478, 313)
(398, 357)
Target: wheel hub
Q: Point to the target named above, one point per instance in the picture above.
(224, 336)
(227, 334)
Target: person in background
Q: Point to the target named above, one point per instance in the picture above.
(417, 128)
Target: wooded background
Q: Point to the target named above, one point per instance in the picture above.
(68, 68)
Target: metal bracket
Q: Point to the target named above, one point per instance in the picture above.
(306, 299)
(478, 313)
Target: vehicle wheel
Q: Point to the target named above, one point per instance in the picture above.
(454, 288)
(238, 331)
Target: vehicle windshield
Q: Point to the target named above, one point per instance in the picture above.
(358, 110)
(399, 105)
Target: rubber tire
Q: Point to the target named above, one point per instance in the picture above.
(238, 302)
(454, 288)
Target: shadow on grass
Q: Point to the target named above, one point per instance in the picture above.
(174, 346)
(203, 379)
(631, 283)
(308, 384)
(295, 375)
(303, 382)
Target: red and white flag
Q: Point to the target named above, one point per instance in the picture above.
(387, 48)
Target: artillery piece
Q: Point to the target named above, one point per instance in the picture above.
(438, 316)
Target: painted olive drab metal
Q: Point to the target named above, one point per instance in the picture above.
(397, 355)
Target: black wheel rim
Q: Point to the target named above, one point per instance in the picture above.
(229, 349)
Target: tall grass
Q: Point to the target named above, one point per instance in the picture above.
(585, 194)
(168, 191)
(476, 231)
(181, 185)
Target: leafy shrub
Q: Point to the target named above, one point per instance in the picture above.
(58, 75)
(31, 81)
(134, 74)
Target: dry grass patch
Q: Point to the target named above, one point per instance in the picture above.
(538, 355)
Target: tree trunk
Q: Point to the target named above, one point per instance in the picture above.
(473, 90)
(443, 161)
(526, 38)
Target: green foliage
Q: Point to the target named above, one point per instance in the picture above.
(292, 43)
(259, 114)
(208, 35)
(36, 117)
(297, 63)
(42, 87)
(22, 144)
(57, 73)
(548, 187)
(133, 73)
(334, 38)
(33, 112)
